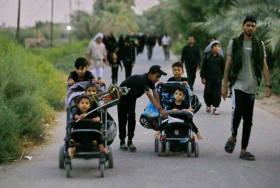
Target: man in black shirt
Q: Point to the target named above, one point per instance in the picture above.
(191, 58)
(137, 85)
(128, 56)
(151, 42)
(212, 73)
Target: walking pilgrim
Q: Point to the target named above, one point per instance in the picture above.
(97, 56)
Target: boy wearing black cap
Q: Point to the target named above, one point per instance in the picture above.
(137, 85)
(246, 61)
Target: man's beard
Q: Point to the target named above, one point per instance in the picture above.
(248, 34)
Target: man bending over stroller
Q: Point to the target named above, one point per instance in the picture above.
(180, 104)
(84, 103)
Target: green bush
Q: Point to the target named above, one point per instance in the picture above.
(9, 131)
(63, 58)
(30, 90)
(177, 48)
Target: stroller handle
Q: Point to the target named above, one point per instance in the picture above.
(180, 112)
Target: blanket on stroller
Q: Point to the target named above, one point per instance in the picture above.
(149, 118)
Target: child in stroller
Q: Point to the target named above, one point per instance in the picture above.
(180, 104)
(84, 104)
(176, 131)
(79, 134)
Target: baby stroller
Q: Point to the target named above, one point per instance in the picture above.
(103, 100)
(177, 136)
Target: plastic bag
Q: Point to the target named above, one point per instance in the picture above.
(151, 111)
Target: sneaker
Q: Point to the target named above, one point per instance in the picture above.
(215, 112)
(123, 146)
(131, 147)
(208, 109)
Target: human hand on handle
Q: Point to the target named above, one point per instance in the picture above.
(163, 113)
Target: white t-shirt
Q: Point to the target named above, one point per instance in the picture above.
(165, 40)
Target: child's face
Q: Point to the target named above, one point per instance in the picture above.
(154, 77)
(177, 71)
(91, 90)
(81, 71)
(84, 105)
(215, 48)
(114, 56)
(179, 95)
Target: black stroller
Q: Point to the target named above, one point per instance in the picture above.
(177, 136)
(104, 100)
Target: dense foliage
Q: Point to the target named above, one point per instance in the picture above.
(30, 90)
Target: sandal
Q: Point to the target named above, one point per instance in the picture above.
(247, 156)
(229, 147)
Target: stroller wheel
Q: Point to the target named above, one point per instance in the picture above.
(61, 157)
(196, 151)
(189, 149)
(156, 144)
(167, 148)
(161, 148)
(68, 170)
(101, 167)
(110, 158)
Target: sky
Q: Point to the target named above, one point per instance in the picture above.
(35, 10)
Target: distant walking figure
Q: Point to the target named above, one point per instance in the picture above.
(151, 42)
(191, 58)
(128, 56)
(96, 54)
(166, 46)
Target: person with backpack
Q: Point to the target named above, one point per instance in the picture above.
(246, 61)
(212, 72)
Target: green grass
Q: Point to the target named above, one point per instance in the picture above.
(31, 89)
(62, 58)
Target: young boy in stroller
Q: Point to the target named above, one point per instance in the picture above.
(175, 132)
(179, 104)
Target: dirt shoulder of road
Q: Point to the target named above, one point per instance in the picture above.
(270, 104)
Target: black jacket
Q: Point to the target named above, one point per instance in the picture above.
(191, 56)
(212, 66)
(129, 52)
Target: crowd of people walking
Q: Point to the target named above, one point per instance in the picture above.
(243, 68)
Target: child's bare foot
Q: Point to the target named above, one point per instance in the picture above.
(199, 137)
(71, 152)
(157, 134)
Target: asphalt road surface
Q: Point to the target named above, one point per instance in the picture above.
(213, 168)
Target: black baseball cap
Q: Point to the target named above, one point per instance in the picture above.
(157, 68)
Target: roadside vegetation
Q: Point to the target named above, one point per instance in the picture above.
(31, 89)
(219, 18)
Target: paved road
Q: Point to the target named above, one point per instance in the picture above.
(213, 168)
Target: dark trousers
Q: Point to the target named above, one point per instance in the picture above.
(166, 51)
(128, 68)
(191, 72)
(150, 51)
(242, 107)
(126, 115)
(212, 92)
(115, 71)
